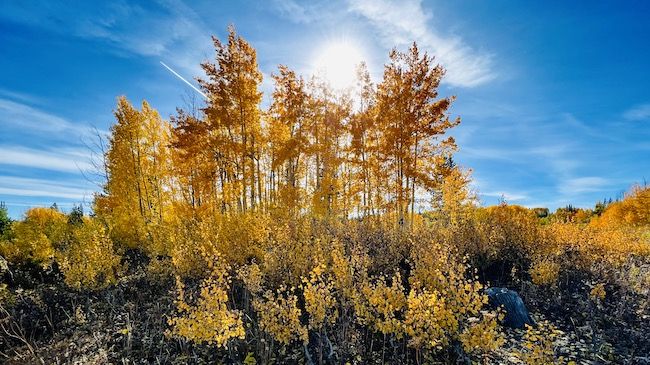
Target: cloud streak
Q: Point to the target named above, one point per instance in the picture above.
(587, 184)
(638, 113)
(26, 187)
(402, 22)
(293, 11)
(25, 119)
(164, 28)
(67, 160)
(505, 195)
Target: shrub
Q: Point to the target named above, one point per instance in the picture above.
(88, 261)
(35, 238)
(545, 272)
(209, 320)
(279, 316)
(538, 344)
(320, 302)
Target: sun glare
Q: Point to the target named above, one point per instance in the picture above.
(337, 63)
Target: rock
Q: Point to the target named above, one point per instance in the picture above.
(516, 313)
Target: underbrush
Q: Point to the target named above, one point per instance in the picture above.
(244, 288)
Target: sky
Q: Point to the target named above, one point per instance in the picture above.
(554, 96)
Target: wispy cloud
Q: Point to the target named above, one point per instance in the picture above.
(294, 11)
(402, 22)
(25, 187)
(638, 113)
(66, 160)
(26, 119)
(587, 184)
(13, 95)
(167, 29)
(510, 197)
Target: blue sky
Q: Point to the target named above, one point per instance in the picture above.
(554, 95)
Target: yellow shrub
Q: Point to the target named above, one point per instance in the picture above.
(291, 251)
(598, 292)
(428, 320)
(320, 302)
(538, 344)
(381, 305)
(349, 270)
(633, 210)
(29, 244)
(252, 277)
(279, 316)
(545, 272)
(185, 240)
(209, 320)
(482, 336)
(88, 261)
(239, 238)
(36, 237)
(438, 269)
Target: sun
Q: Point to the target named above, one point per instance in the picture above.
(337, 62)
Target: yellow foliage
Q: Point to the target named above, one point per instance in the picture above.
(239, 239)
(320, 302)
(633, 210)
(292, 250)
(538, 344)
(252, 277)
(348, 269)
(279, 315)
(482, 336)
(210, 320)
(381, 305)
(88, 261)
(36, 237)
(598, 292)
(185, 240)
(545, 272)
(428, 320)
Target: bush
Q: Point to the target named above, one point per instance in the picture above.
(36, 237)
(88, 261)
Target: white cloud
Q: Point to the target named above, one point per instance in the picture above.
(290, 9)
(401, 22)
(492, 153)
(19, 96)
(168, 30)
(587, 184)
(66, 160)
(25, 187)
(26, 117)
(509, 197)
(639, 112)
(179, 38)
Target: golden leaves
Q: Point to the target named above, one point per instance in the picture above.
(279, 315)
(209, 320)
